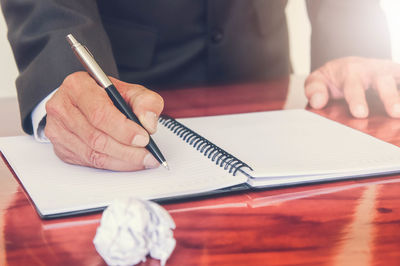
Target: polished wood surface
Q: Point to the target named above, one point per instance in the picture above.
(354, 222)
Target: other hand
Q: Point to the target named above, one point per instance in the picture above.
(87, 129)
(349, 78)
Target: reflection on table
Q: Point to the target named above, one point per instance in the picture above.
(354, 222)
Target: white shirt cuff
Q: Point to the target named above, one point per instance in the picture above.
(37, 116)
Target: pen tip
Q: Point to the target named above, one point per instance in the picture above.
(165, 164)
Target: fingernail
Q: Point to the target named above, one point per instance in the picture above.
(149, 121)
(360, 111)
(317, 100)
(150, 162)
(396, 110)
(140, 141)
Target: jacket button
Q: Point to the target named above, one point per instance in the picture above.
(217, 36)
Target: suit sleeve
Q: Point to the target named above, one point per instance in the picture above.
(347, 28)
(37, 30)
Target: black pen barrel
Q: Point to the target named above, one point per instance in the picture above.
(122, 106)
(120, 103)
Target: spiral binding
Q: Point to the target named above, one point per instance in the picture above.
(207, 148)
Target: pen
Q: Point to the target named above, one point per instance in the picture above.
(87, 60)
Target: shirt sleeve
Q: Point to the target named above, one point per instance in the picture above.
(38, 117)
(37, 31)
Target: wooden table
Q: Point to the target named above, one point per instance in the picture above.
(355, 222)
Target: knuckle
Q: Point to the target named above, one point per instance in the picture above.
(349, 61)
(74, 78)
(353, 65)
(156, 97)
(73, 82)
(97, 159)
(159, 100)
(133, 90)
(142, 95)
(97, 141)
(352, 59)
(353, 68)
(139, 88)
(147, 96)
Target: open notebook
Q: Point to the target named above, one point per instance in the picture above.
(207, 155)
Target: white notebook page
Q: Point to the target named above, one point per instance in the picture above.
(281, 145)
(57, 187)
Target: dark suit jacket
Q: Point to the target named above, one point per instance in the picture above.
(161, 43)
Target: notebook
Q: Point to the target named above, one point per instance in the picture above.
(207, 155)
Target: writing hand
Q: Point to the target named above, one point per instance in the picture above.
(349, 78)
(85, 127)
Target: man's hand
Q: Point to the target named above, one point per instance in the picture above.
(87, 129)
(349, 78)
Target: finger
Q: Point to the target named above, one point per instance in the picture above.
(64, 149)
(389, 95)
(316, 90)
(354, 93)
(71, 149)
(53, 131)
(102, 143)
(146, 104)
(99, 110)
(70, 119)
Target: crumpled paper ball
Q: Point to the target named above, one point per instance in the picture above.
(130, 229)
